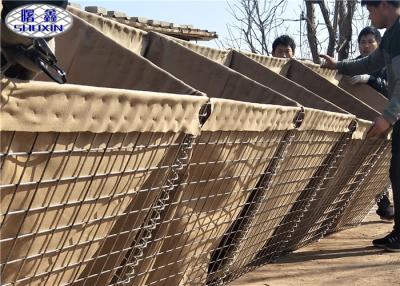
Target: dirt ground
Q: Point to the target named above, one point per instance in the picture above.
(345, 258)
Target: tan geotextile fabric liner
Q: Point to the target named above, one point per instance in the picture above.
(335, 191)
(129, 37)
(90, 57)
(231, 115)
(35, 107)
(331, 75)
(220, 56)
(208, 76)
(45, 106)
(303, 158)
(306, 77)
(272, 63)
(214, 191)
(255, 117)
(365, 93)
(59, 223)
(122, 237)
(353, 166)
(265, 76)
(364, 198)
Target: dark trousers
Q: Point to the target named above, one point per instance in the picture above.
(383, 203)
(395, 174)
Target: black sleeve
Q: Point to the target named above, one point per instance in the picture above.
(380, 84)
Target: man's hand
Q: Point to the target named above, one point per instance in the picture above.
(380, 128)
(330, 63)
(362, 78)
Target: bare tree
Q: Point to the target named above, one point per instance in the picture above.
(312, 30)
(256, 22)
(337, 23)
(329, 26)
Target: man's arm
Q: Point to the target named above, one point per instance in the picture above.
(367, 65)
(392, 111)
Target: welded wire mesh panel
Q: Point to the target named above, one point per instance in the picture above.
(69, 200)
(334, 196)
(289, 193)
(365, 197)
(223, 170)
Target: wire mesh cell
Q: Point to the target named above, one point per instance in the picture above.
(69, 199)
(330, 202)
(367, 194)
(224, 168)
(288, 195)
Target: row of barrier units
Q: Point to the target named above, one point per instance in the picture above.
(168, 163)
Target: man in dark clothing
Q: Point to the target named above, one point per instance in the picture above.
(383, 14)
(283, 47)
(369, 40)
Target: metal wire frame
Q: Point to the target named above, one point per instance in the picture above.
(368, 193)
(288, 196)
(336, 195)
(229, 247)
(186, 229)
(225, 254)
(128, 166)
(125, 275)
(224, 168)
(129, 258)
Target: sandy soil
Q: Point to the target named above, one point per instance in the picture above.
(345, 258)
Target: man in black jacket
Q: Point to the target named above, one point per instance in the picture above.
(369, 40)
(383, 14)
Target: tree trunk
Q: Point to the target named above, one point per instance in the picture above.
(312, 31)
(346, 13)
(331, 28)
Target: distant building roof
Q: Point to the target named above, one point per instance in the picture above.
(184, 32)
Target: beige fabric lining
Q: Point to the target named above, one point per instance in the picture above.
(365, 93)
(129, 37)
(227, 160)
(312, 81)
(335, 191)
(267, 77)
(304, 157)
(73, 206)
(91, 58)
(285, 190)
(188, 235)
(362, 129)
(364, 198)
(216, 80)
(326, 121)
(274, 64)
(219, 56)
(43, 107)
(229, 115)
(329, 74)
(201, 212)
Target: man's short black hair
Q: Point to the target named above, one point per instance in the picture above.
(370, 31)
(283, 40)
(375, 3)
